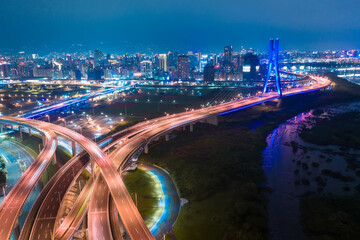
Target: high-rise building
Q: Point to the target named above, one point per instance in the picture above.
(183, 66)
(209, 73)
(228, 54)
(68, 58)
(98, 56)
(4, 70)
(163, 62)
(251, 67)
(146, 68)
(171, 59)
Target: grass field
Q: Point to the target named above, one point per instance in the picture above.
(141, 183)
(331, 218)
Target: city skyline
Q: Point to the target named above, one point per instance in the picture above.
(158, 26)
(178, 120)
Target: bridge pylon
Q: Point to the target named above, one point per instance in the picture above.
(273, 64)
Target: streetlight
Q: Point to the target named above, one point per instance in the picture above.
(80, 130)
(62, 119)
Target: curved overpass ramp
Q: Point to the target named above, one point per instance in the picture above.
(15, 200)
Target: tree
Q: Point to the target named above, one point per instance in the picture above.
(3, 172)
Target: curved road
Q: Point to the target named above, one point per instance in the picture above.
(13, 203)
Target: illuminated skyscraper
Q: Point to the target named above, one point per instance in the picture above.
(209, 73)
(227, 54)
(251, 67)
(98, 56)
(183, 66)
(163, 62)
(146, 68)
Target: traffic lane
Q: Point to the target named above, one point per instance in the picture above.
(52, 201)
(18, 195)
(98, 221)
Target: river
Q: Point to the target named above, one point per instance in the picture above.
(295, 171)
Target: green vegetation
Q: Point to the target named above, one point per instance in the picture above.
(152, 102)
(218, 171)
(327, 217)
(140, 183)
(62, 156)
(3, 172)
(331, 218)
(334, 131)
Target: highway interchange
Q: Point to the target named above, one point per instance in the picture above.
(107, 186)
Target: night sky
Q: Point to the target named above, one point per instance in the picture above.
(162, 25)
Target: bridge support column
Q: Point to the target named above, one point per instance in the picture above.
(191, 127)
(30, 132)
(146, 149)
(54, 159)
(167, 137)
(93, 166)
(279, 103)
(212, 120)
(43, 140)
(12, 127)
(184, 128)
(16, 229)
(2, 128)
(20, 132)
(73, 146)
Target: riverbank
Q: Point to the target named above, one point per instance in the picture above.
(332, 210)
(308, 160)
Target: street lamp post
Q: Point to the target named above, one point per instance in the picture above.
(63, 119)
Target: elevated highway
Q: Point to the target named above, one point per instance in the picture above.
(15, 200)
(54, 107)
(146, 133)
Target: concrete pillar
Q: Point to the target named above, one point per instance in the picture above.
(30, 132)
(73, 145)
(167, 137)
(54, 159)
(146, 149)
(191, 127)
(2, 128)
(184, 128)
(20, 131)
(12, 127)
(93, 166)
(212, 120)
(16, 229)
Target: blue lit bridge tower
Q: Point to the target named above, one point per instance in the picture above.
(273, 64)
